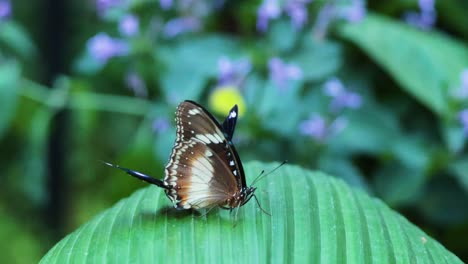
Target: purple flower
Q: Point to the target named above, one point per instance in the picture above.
(181, 25)
(426, 18)
(354, 13)
(166, 4)
(426, 5)
(341, 97)
(269, 9)
(102, 47)
(421, 20)
(136, 84)
(129, 25)
(103, 5)
(462, 91)
(333, 87)
(5, 9)
(161, 125)
(464, 77)
(281, 72)
(463, 118)
(319, 129)
(297, 11)
(331, 12)
(232, 72)
(315, 127)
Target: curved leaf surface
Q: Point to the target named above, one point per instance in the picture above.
(314, 218)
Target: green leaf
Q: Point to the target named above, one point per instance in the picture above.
(399, 185)
(317, 59)
(191, 63)
(460, 169)
(263, 96)
(454, 137)
(282, 36)
(314, 219)
(9, 79)
(21, 238)
(425, 64)
(444, 202)
(15, 37)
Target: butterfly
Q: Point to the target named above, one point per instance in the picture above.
(204, 169)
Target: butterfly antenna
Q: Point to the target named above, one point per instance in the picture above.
(263, 174)
(139, 175)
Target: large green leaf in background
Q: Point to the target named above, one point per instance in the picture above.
(315, 219)
(426, 64)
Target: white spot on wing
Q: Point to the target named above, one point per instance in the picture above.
(203, 138)
(194, 111)
(233, 114)
(212, 138)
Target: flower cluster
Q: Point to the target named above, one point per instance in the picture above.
(232, 72)
(281, 73)
(462, 91)
(341, 98)
(129, 25)
(426, 18)
(181, 25)
(353, 13)
(166, 4)
(317, 125)
(160, 125)
(5, 9)
(463, 118)
(102, 47)
(271, 9)
(461, 94)
(319, 128)
(191, 15)
(103, 6)
(135, 83)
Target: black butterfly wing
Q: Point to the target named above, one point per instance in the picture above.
(229, 124)
(204, 169)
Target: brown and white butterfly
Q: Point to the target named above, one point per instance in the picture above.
(204, 169)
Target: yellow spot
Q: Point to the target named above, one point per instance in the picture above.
(224, 98)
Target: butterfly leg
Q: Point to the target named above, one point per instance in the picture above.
(206, 212)
(263, 210)
(235, 215)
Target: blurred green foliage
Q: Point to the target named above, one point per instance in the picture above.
(404, 144)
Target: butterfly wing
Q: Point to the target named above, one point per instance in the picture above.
(229, 123)
(204, 169)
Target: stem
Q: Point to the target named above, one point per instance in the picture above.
(84, 100)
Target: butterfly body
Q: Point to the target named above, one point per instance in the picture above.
(204, 169)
